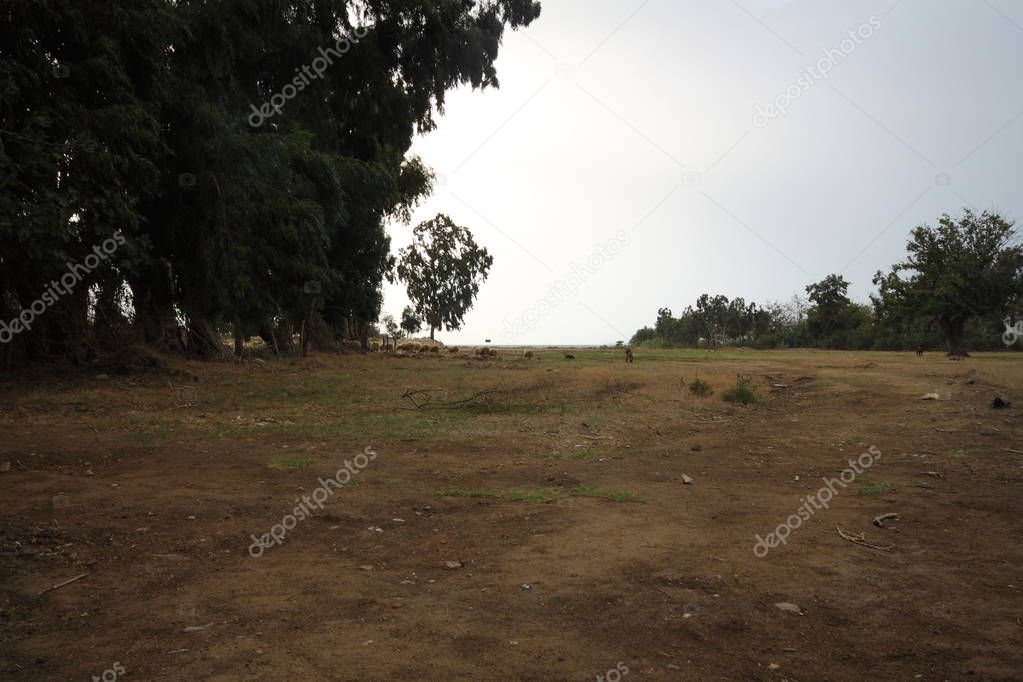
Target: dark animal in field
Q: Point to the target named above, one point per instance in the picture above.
(569, 356)
(1000, 404)
(919, 351)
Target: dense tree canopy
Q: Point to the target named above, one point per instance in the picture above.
(965, 275)
(959, 270)
(138, 119)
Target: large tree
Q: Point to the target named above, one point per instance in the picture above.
(963, 268)
(137, 116)
(442, 270)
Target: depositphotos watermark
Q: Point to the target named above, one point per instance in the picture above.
(811, 503)
(559, 290)
(809, 75)
(614, 674)
(1012, 332)
(316, 500)
(304, 77)
(68, 281)
(111, 674)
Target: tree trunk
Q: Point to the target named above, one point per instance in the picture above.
(269, 339)
(955, 334)
(239, 340)
(431, 332)
(203, 339)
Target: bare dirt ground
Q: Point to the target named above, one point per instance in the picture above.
(539, 531)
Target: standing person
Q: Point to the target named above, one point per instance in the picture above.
(628, 355)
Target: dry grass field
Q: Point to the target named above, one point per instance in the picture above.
(514, 519)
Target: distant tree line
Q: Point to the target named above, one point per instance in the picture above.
(234, 161)
(960, 281)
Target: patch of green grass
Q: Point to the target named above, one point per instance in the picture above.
(586, 453)
(874, 488)
(542, 495)
(957, 454)
(289, 463)
(462, 492)
(613, 495)
(744, 391)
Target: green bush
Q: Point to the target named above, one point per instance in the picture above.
(744, 391)
(700, 388)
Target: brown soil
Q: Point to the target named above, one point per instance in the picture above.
(539, 531)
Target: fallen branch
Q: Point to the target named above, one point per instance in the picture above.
(62, 584)
(860, 539)
(879, 520)
(1015, 452)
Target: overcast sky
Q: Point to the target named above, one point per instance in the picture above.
(639, 119)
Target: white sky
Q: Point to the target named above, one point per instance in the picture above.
(657, 122)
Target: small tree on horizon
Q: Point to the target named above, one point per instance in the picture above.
(442, 269)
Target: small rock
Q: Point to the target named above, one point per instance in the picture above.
(686, 480)
(696, 448)
(1000, 404)
(366, 567)
(526, 586)
(672, 666)
(791, 608)
(197, 628)
(452, 565)
(930, 396)
(773, 666)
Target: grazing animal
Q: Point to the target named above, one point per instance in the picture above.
(919, 351)
(569, 356)
(628, 355)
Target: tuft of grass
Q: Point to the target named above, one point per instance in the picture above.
(957, 454)
(744, 391)
(700, 388)
(586, 453)
(613, 495)
(462, 492)
(874, 488)
(542, 495)
(289, 463)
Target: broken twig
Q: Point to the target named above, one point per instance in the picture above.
(879, 520)
(860, 539)
(62, 584)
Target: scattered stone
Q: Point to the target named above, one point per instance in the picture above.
(452, 565)
(930, 396)
(1000, 404)
(686, 480)
(672, 666)
(791, 608)
(526, 586)
(696, 448)
(365, 567)
(773, 666)
(197, 628)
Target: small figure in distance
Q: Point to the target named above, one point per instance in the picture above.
(569, 356)
(919, 351)
(628, 355)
